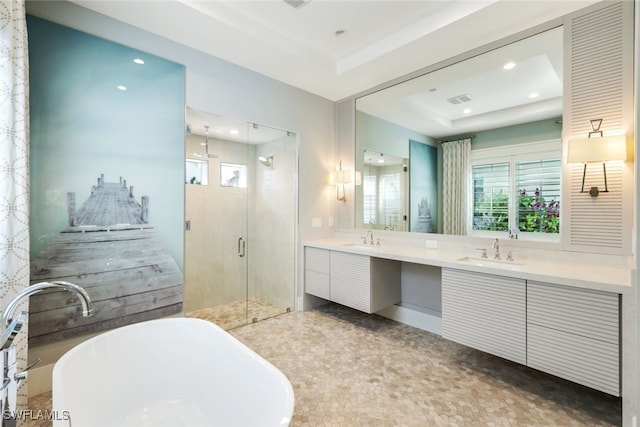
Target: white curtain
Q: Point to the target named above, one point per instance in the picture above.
(14, 166)
(455, 186)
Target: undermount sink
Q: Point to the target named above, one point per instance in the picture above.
(488, 262)
(361, 245)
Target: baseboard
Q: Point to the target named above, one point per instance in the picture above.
(418, 317)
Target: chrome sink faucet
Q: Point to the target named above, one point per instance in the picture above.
(496, 245)
(11, 326)
(370, 237)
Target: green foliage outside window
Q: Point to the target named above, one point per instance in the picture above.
(537, 215)
(491, 212)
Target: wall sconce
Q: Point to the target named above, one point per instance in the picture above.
(339, 178)
(601, 149)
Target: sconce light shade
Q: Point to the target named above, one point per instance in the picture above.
(601, 149)
(339, 178)
(342, 177)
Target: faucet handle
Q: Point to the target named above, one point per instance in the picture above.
(12, 330)
(510, 255)
(378, 241)
(23, 375)
(484, 252)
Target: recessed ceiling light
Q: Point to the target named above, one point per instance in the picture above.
(138, 61)
(509, 65)
(341, 33)
(533, 95)
(234, 131)
(121, 87)
(466, 110)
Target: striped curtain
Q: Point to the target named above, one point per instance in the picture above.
(455, 186)
(14, 165)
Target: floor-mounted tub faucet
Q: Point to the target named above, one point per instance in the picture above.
(11, 326)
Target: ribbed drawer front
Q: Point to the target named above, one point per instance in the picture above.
(586, 361)
(486, 312)
(350, 280)
(317, 259)
(584, 312)
(317, 284)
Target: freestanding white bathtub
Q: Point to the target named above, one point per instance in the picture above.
(168, 372)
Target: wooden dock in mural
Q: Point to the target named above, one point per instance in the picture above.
(111, 250)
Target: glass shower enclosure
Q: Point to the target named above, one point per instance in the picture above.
(241, 186)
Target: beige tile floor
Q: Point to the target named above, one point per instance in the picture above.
(237, 313)
(352, 369)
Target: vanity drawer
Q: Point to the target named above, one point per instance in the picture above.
(574, 334)
(317, 259)
(583, 360)
(589, 313)
(317, 284)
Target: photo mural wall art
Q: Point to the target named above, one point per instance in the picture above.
(107, 181)
(423, 190)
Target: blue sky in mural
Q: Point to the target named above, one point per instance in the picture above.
(83, 125)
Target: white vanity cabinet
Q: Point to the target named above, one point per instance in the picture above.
(486, 312)
(316, 273)
(362, 282)
(574, 334)
(365, 283)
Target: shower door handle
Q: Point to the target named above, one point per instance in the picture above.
(241, 247)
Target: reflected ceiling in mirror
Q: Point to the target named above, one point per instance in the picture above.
(517, 83)
(505, 96)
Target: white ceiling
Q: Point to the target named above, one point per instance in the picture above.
(384, 39)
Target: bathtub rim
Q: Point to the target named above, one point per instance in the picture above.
(289, 398)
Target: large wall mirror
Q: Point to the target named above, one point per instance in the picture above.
(507, 103)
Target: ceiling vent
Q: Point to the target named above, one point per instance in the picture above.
(297, 3)
(460, 99)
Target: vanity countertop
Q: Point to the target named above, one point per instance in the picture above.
(568, 273)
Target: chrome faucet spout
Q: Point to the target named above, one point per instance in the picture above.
(11, 326)
(87, 306)
(496, 245)
(370, 236)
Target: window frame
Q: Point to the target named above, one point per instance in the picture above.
(528, 151)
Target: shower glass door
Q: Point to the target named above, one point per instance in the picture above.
(272, 213)
(218, 176)
(241, 211)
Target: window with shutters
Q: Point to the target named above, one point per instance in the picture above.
(491, 190)
(518, 193)
(369, 194)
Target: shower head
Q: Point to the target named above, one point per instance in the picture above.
(206, 154)
(267, 161)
